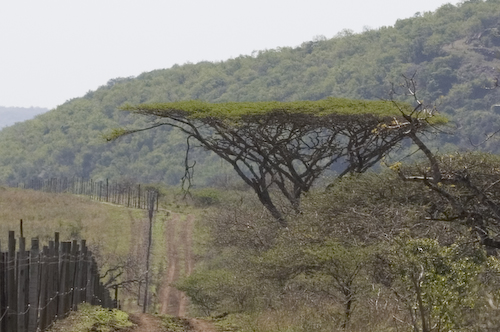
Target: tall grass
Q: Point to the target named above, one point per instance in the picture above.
(106, 228)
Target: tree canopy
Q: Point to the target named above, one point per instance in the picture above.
(288, 145)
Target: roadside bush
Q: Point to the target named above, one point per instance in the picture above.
(217, 291)
(93, 318)
(206, 197)
(442, 287)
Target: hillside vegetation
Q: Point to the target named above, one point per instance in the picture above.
(454, 52)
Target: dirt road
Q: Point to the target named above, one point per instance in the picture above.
(178, 234)
(146, 323)
(180, 260)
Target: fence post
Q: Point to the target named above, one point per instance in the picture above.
(53, 282)
(11, 284)
(63, 279)
(83, 276)
(72, 274)
(3, 294)
(34, 278)
(139, 196)
(22, 280)
(45, 292)
(56, 277)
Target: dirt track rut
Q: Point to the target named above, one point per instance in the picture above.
(180, 262)
(178, 234)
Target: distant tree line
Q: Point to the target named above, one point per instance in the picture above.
(452, 51)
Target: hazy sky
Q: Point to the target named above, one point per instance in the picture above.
(55, 50)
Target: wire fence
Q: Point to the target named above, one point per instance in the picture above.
(121, 193)
(40, 286)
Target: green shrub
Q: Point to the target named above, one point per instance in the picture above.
(206, 197)
(93, 318)
(442, 286)
(217, 291)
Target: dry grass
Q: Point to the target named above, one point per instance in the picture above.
(308, 319)
(106, 228)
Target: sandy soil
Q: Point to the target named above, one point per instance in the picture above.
(201, 325)
(146, 323)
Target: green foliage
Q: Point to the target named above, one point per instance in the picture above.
(362, 256)
(371, 207)
(453, 51)
(323, 268)
(441, 285)
(92, 318)
(220, 290)
(236, 110)
(206, 197)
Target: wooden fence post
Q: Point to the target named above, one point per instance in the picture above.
(52, 282)
(56, 277)
(83, 281)
(3, 294)
(44, 300)
(63, 280)
(139, 196)
(22, 280)
(72, 273)
(11, 284)
(68, 279)
(34, 279)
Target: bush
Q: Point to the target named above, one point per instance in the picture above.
(442, 286)
(217, 291)
(93, 318)
(206, 197)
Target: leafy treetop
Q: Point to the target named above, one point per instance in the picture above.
(238, 110)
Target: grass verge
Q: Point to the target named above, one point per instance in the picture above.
(94, 318)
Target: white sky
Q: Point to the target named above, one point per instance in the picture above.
(55, 50)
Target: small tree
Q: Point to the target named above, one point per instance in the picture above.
(288, 145)
(439, 285)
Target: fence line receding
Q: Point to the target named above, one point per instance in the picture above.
(120, 193)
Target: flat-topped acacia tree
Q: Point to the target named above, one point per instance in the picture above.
(288, 145)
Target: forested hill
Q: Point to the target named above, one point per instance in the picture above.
(454, 51)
